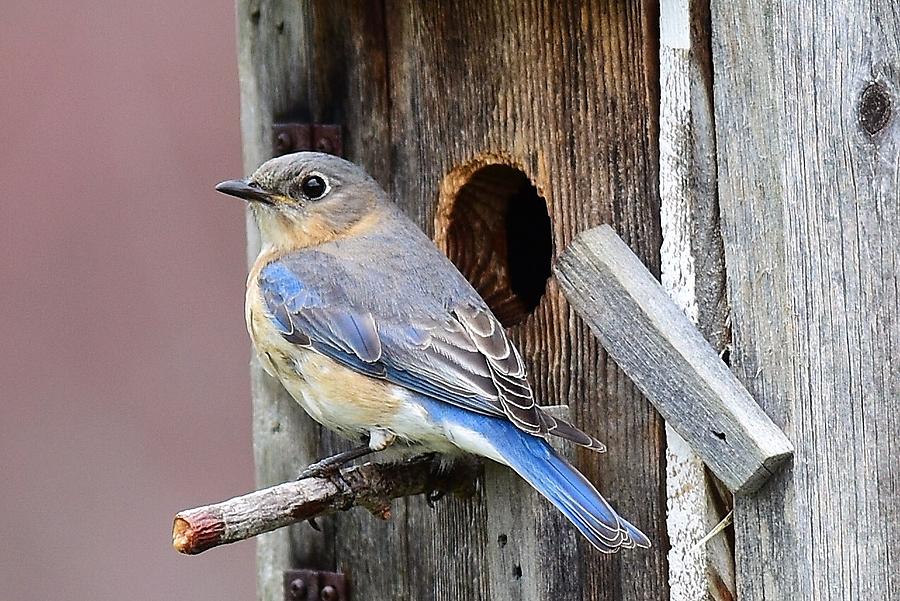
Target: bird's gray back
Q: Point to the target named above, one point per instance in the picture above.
(395, 268)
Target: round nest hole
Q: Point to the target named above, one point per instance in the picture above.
(495, 228)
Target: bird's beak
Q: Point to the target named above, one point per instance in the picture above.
(246, 189)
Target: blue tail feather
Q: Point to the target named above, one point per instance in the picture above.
(564, 486)
(552, 476)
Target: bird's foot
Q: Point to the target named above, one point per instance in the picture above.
(325, 468)
(331, 465)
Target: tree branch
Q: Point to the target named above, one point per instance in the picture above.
(371, 486)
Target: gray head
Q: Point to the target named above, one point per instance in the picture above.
(307, 198)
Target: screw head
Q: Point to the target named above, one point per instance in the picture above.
(283, 142)
(329, 593)
(298, 589)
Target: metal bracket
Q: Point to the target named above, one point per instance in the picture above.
(312, 585)
(294, 137)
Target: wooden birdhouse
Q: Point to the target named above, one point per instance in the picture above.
(507, 130)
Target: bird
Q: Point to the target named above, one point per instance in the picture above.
(380, 338)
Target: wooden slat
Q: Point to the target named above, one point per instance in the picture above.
(693, 274)
(566, 92)
(669, 360)
(806, 107)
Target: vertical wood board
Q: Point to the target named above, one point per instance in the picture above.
(808, 138)
(693, 273)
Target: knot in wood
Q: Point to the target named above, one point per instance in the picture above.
(874, 107)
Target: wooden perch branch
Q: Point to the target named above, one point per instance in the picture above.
(371, 486)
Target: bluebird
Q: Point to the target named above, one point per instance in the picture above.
(380, 338)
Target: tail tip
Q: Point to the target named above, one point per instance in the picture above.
(638, 538)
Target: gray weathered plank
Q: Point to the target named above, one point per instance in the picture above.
(693, 273)
(669, 360)
(523, 530)
(808, 136)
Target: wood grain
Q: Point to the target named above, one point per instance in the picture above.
(809, 186)
(670, 361)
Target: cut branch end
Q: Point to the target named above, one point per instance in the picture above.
(371, 486)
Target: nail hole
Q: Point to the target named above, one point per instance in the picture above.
(502, 540)
(494, 226)
(517, 572)
(719, 435)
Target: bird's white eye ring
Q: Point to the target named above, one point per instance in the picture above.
(314, 186)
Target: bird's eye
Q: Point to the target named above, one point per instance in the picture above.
(314, 187)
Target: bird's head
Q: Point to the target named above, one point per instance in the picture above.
(307, 198)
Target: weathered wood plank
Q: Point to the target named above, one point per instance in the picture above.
(808, 138)
(564, 91)
(314, 61)
(669, 360)
(523, 530)
(693, 273)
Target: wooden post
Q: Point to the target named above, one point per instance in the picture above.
(566, 94)
(808, 137)
(693, 273)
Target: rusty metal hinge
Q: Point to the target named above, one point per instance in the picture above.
(312, 585)
(294, 137)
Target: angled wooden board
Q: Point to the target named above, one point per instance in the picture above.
(669, 360)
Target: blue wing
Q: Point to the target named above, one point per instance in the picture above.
(457, 354)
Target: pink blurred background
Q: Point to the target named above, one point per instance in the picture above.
(123, 379)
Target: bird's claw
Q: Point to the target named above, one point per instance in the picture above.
(319, 469)
(314, 524)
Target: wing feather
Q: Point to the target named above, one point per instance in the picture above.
(462, 357)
